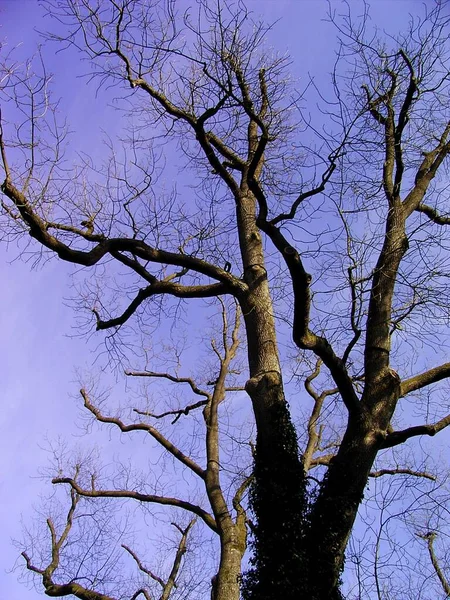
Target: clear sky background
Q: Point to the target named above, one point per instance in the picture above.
(38, 350)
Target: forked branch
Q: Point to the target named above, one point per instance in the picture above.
(167, 586)
(430, 536)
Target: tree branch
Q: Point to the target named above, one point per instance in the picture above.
(181, 550)
(424, 379)
(399, 471)
(433, 214)
(318, 189)
(398, 437)
(303, 337)
(176, 413)
(172, 378)
(148, 498)
(141, 566)
(39, 231)
(157, 435)
(158, 288)
(53, 589)
(427, 171)
(430, 536)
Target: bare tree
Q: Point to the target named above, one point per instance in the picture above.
(358, 203)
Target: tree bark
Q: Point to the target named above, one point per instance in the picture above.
(227, 583)
(278, 489)
(342, 490)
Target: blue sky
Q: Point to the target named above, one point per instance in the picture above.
(38, 349)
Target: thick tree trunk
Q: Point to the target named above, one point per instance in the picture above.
(278, 490)
(227, 583)
(335, 510)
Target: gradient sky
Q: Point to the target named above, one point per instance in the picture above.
(38, 353)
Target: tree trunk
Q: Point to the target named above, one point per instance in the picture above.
(227, 583)
(278, 490)
(342, 490)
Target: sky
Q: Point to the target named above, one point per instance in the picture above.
(39, 346)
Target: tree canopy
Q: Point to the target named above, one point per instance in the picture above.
(268, 261)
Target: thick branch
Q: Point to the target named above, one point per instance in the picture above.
(139, 592)
(142, 568)
(56, 590)
(39, 231)
(210, 414)
(163, 287)
(149, 498)
(302, 335)
(181, 550)
(237, 500)
(398, 437)
(314, 435)
(65, 589)
(427, 171)
(424, 379)
(402, 122)
(433, 215)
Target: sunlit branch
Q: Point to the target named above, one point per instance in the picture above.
(168, 585)
(430, 536)
(427, 172)
(399, 471)
(398, 437)
(157, 435)
(83, 233)
(210, 415)
(140, 497)
(241, 515)
(54, 589)
(433, 214)
(141, 566)
(181, 550)
(314, 435)
(323, 461)
(423, 379)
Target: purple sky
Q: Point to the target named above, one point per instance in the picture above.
(38, 356)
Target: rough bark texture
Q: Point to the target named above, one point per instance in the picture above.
(278, 496)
